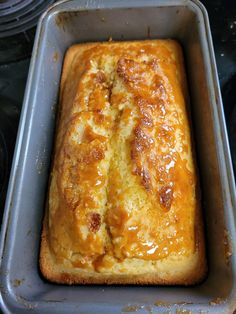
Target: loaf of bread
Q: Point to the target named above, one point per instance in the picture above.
(124, 202)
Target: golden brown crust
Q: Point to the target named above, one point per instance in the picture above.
(123, 202)
(53, 274)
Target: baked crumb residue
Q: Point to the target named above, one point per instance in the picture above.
(217, 300)
(227, 247)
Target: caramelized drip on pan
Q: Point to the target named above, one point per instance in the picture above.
(123, 182)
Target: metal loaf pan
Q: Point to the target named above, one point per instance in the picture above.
(68, 22)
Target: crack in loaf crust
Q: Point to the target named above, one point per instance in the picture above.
(123, 203)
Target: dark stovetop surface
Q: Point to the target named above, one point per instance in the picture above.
(13, 77)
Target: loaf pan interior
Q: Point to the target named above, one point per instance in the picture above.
(71, 22)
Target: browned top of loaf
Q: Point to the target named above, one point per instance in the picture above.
(123, 180)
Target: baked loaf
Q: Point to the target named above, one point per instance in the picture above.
(123, 204)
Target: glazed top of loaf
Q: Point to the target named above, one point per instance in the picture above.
(123, 182)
